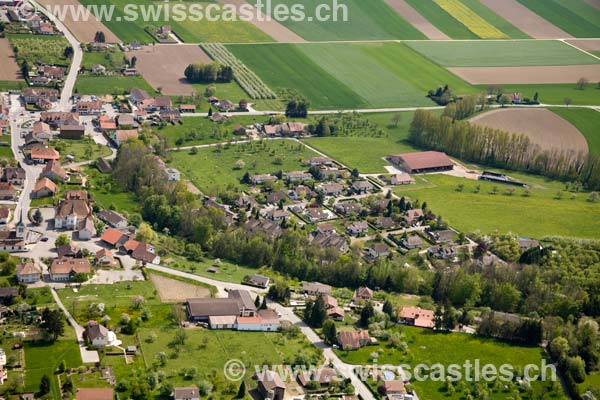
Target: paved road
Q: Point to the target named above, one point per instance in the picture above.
(87, 356)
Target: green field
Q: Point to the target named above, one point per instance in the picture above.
(112, 60)
(214, 168)
(188, 30)
(107, 194)
(367, 153)
(12, 85)
(555, 94)
(101, 85)
(441, 19)
(428, 347)
(468, 211)
(494, 19)
(83, 149)
(226, 271)
(587, 121)
(572, 16)
(378, 74)
(366, 20)
(502, 53)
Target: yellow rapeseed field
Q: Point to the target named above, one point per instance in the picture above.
(470, 19)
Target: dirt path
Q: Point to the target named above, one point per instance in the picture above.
(526, 75)
(594, 3)
(542, 126)
(9, 70)
(416, 20)
(83, 30)
(272, 28)
(525, 19)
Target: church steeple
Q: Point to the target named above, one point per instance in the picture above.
(20, 228)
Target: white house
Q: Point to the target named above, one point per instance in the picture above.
(100, 336)
(28, 272)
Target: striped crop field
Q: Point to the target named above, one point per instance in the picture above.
(470, 19)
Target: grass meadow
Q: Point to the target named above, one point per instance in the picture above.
(587, 121)
(502, 53)
(101, 85)
(538, 215)
(214, 168)
(429, 347)
(576, 17)
(366, 20)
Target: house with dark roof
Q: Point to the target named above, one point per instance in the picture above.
(54, 171)
(69, 213)
(270, 385)
(378, 250)
(113, 219)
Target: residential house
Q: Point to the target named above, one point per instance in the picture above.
(262, 178)
(353, 340)
(315, 288)
(347, 207)
(40, 154)
(378, 250)
(72, 131)
(267, 228)
(392, 389)
(301, 192)
(43, 188)
(362, 293)
(98, 335)
(259, 281)
(357, 228)
(298, 176)
(331, 240)
(57, 119)
(70, 249)
(413, 217)
(124, 135)
(4, 125)
(320, 162)
(112, 218)
(106, 124)
(412, 242)
(54, 171)
(89, 107)
(417, 316)
(186, 393)
(63, 269)
(278, 215)
(53, 73)
(325, 229)
(105, 258)
(187, 108)
(87, 228)
(95, 394)
(69, 213)
(442, 252)
(362, 187)
(266, 321)
(7, 191)
(126, 121)
(275, 197)
(14, 175)
(98, 69)
(145, 253)
(315, 214)
(13, 241)
(170, 115)
(114, 237)
(324, 376)
(402, 179)
(443, 236)
(33, 96)
(385, 223)
(45, 28)
(331, 189)
(28, 272)
(293, 128)
(270, 385)
(225, 105)
(138, 95)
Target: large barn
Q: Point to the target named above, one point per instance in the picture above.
(422, 162)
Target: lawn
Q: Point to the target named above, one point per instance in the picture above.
(112, 60)
(572, 16)
(366, 153)
(428, 347)
(107, 194)
(469, 211)
(587, 121)
(366, 20)
(212, 169)
(494, 19)
(82, 149)
(218, 30)
(101, 85)
(44, 358)
(198, 130)
(6, 153)
(350, 75)
(555, 94)
(226, 271)
(11, 85)
(279, 66)
(441, 19)
(40, 48)
(502, 53)
(252, 348)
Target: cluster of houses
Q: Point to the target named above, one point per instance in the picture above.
(123, 240)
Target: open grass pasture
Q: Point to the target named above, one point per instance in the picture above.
(429, 347)
(213, 168)
(587, 121)
(366, 20)
(471, 209)
(350, 75)
(188, 30)
(101, 85)
(502, 53)
(441, 19)
(576, 17)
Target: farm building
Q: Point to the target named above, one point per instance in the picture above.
(422, 162)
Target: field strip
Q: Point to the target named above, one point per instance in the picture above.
(9, 70)
(268, 25)
(83, 30)
(594, 3)
(470, 19)
(417, 20)
(525, 19)
(527, 75)
(580, 49)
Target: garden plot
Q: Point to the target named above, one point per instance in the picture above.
(174, 291)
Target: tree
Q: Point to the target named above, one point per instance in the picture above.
(449, 319)
(438, 320)
(504, 100)
(45, 385)
(263, 305)
(366, 314)
(257, 301)
(68, 52)
(53, 323)
(582, 84)
(133, 61)
(396, 118)
(144, 233)
(25, 69)
(241, 391)
(388, 308)
(99, 37)
(61, 240)
(568, 101)
(37, 217)
(329, 332)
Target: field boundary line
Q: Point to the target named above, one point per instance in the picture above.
(583, 51)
